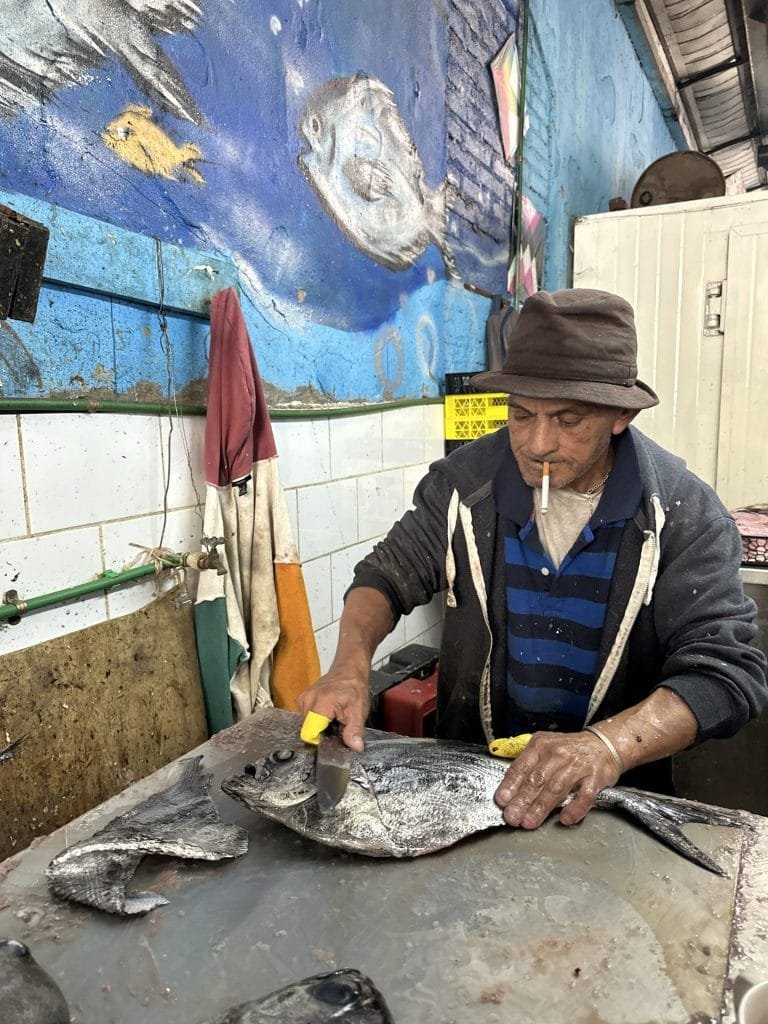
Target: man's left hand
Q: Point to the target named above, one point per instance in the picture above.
(553, 766)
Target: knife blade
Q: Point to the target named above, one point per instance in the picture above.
(334, 761)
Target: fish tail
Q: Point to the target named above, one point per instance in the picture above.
(437, 203)
(664, 815)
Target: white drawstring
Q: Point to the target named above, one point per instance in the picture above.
(642, 592)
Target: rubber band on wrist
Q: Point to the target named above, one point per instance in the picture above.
(612, 750)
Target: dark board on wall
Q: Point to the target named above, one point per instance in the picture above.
(96, 710)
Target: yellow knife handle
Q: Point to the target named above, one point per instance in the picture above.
(511, 747)
(313, 726)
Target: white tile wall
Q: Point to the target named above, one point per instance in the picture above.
(327, 517)
(305, 451)
(317, 580)
(342, 569)
(13, 522)
(186, 485)
(183, 530)
(379, 501)
(85, 468)
(356, 445)
(434, 432)
(403, 437)
(43, 565)
(94, 484)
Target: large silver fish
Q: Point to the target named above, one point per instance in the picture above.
(364, 167)
(346, 996)
(180, 821)
(27, 994)
(408, 797)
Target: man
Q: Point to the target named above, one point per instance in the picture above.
(610, 623)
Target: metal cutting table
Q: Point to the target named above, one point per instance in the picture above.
(598, 923)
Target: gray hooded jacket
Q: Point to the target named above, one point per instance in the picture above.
(677, 614)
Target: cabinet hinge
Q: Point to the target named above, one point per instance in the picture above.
(714, 308)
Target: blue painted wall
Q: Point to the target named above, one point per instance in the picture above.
(595, 123)
(218, 97)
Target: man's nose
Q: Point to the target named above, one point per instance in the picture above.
(542, 439)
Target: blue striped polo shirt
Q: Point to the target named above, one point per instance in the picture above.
(555, 616)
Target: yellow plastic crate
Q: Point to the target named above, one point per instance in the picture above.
(471, 416)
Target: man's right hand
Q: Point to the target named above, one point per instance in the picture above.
(343, 696)
(343, 693)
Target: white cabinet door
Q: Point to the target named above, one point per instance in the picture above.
(742, 463)
(713, 387)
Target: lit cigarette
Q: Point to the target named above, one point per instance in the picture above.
(545, 488)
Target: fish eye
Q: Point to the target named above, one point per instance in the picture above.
(334, 992)
(14, 947)
(278, 756)
(315, 124)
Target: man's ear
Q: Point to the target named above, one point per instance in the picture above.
(623, 418)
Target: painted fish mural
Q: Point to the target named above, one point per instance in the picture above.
(137, 140)
(363, 164)
(47, 45)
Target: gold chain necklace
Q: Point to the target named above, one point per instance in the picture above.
(592, 491)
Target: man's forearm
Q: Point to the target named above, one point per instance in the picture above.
(365, 621)
(659, 726)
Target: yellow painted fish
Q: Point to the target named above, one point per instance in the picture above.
(137, 140)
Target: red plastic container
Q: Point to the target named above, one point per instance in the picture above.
(409, 708)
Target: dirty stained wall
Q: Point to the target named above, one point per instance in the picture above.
(346, 156)
(94, 711)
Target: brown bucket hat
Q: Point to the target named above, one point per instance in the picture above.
(578, 343)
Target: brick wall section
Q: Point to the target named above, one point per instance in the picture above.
(480, 210)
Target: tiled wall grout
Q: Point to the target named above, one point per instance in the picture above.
(52, 558)
(27, 517)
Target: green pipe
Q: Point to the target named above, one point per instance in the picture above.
(32, 405)
(106, 581)
(520, 142)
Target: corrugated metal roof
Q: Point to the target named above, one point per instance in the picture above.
(717, 51)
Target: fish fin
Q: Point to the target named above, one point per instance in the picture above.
(436, 205)
(142, 902)
(664, 815)
(157, 77)
(369, 179)
(181, 821)
(93, 876)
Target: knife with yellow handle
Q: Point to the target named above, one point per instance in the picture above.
(511, 747)
(334, 758)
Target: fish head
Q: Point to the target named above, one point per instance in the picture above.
(27, 994)
(344, 995)
(339, 124)
(281, 780)
(128, 123)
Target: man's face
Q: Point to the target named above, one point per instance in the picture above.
(573, 437)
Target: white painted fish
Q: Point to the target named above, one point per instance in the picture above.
(346, 996)
(363, 164)
(181, 821)
(46, 46)
(408, 797)
(28, 995)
